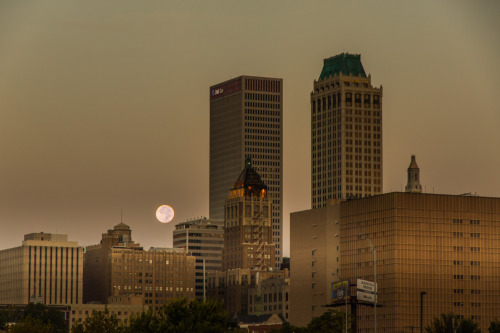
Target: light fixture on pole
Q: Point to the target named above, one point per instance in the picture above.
(374, 249)
(422, 293)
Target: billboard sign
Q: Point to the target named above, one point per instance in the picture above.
(367, 286)
(366, 290)
(340, 291)
(364, 296)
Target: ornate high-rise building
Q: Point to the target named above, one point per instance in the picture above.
(246, 120)
(247, 224)
(346, 132)
(248, 255)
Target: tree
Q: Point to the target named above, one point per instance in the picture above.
(182, 316)
(330, 321)
(450, 323)
(47, 316)
(494, 326)
(32, 325)
(10, 315)
(34, 318)
(99, 321)
(287, 328)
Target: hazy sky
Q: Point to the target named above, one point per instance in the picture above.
(104, 105)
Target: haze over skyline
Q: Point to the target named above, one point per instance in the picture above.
(104, 106)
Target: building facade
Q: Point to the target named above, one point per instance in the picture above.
(270, 296)
(123, 307)
(443, 245)
(47, 268)
(119, 267)
(246, 120)
(346, 132)
(203, 239)
(314, 260)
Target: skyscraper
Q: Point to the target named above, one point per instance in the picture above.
(346, 132)
(246, 120)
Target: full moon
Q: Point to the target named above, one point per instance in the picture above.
(165, 213)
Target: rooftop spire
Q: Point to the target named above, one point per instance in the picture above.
(413, 184)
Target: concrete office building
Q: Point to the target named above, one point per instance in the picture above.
(346, 132)
(246, 120)
(47, 268)
(443, 245)
(203, 239)
(118, 267)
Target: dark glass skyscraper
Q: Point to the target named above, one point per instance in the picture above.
(246, 120)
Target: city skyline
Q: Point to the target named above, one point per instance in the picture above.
(94, 99)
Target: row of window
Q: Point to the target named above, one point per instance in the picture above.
(461, 277)
(461, 263)
(335, 100)
(472, 291)
(461, 234)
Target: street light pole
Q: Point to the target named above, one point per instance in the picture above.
(374, 249)
(422, 293)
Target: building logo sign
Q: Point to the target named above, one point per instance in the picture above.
(216, 92)
(225, 89)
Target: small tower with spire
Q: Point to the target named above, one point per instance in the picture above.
(413, 185)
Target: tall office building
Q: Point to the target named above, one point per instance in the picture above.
(47, 268)
(246, 120)
(204, 239)
(346, 132)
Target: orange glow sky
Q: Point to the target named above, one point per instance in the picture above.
(104, 104)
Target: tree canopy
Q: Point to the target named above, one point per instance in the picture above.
(183, 316)
(450, 323)
(34, 318)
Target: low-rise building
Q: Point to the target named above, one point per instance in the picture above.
(118, 266)
(203, 239)
(270, 296)
(47, 268)
(123, 307)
